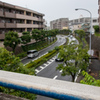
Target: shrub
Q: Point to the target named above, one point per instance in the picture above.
(50, 51)
(21, 55)
(57, 48)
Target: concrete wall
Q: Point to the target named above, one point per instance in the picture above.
(57, 89)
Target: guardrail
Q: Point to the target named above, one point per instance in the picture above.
(57, 89)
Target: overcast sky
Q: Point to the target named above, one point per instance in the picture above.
(54, 9)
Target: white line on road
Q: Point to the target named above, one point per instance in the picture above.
(51, 60)
(48, 62)
(45, 65)
(36, 70)
(77, 76)
(60, 71)
(55, 77)
(41, 67)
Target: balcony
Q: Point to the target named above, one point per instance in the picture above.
(10, 25)
(41, 26)
(2, 25)
(10, 15)
(1, 14)
(20, 16)
(57, 89)
(41, 20)
(26, 26)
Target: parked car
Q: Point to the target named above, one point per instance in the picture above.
(32, 53)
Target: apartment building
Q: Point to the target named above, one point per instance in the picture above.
(77, 24)
(62, 23)
(18, 19)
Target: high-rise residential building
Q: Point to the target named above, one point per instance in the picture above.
(18, 19)
(62, 23)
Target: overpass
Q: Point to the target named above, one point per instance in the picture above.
(57, 89)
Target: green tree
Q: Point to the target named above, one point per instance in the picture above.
(11, 40)
(75, 59)
(26, 38)
(9, 62)
(96, 27)
(36, 34)
(42, 35)
(80, 33)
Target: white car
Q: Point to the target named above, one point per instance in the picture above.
(32, 53)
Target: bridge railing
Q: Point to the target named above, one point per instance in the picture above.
(57, 89)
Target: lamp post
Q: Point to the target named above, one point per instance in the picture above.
(90, 28)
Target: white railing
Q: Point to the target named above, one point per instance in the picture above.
(58, 89)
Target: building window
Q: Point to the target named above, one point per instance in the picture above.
(1, 9)
(28, 13)
(94, 21)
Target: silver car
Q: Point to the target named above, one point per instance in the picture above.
(32, 53)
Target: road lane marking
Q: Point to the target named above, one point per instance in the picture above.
(48, 62)
(77, 75)
(55, 77)
(41, 67)
(51, 60)
(60, 71)
(45, 65)
(36, 70)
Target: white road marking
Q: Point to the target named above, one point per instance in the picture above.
(41, 67)
(60, 71)
(48, 62)
(45, 64)
(55, 77)
(51, 60)
(36, 70)
(77, 76)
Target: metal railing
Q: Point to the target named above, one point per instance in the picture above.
(57, 89)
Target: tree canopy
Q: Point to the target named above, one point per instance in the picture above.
(11, 40)
(96, 27)
(9, 62)
(26, 38)
(75, 59)
(80, 33)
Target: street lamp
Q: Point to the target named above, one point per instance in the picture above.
(90, 27)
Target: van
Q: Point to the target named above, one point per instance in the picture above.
(32, 53)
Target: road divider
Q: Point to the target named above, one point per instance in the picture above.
(55, 77)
